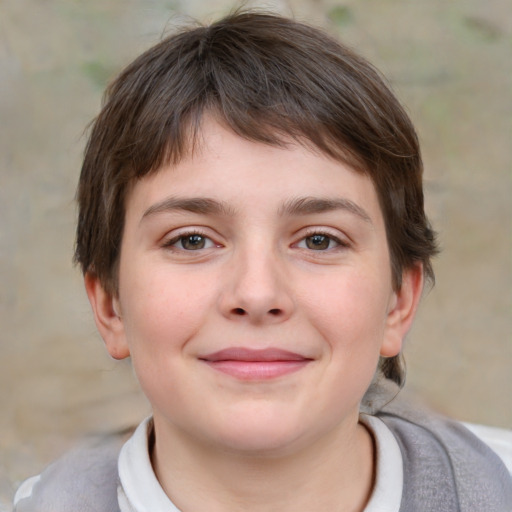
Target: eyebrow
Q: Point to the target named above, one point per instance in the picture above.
(312, 205)
(297, 206)
(198, 205)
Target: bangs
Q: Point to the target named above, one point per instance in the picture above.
(256, 83)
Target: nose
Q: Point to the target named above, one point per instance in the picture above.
(258, 289)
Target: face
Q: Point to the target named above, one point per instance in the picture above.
(255, 294)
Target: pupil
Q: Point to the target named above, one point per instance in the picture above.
(193, 242)
(317, 242)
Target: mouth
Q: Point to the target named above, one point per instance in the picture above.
(248, 364)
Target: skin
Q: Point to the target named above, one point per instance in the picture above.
(286, 249)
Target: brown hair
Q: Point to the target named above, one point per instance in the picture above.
(268, 79)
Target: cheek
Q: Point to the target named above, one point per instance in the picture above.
(350, 312)
(162, 315)
(163, 311)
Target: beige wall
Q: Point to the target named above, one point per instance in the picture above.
(448, 61)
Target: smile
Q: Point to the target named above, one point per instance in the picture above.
(249, 364)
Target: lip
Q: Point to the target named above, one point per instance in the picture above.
(261, 364)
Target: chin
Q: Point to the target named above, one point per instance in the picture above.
(260, 443)
(264, 435)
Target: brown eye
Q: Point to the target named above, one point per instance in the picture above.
(318, 242)
(321, 242)
(193, 242)
(190, 242)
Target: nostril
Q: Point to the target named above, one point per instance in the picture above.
(239, 311)
(275, 312)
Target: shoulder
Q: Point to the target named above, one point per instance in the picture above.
(84, 480)
(445, 465)
(498, 439)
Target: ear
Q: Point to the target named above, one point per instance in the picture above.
(107, 316)
(402, 309)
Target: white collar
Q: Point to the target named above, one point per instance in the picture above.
(389, 473)
(139, 489)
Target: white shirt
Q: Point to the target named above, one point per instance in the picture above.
(140, 491)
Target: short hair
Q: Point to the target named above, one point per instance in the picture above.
(269, 79)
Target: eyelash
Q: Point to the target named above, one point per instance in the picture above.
(318, 232)
(168, 244)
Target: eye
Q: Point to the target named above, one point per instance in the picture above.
(320, 242)
(191, 242)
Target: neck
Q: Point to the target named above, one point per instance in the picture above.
(317, 477)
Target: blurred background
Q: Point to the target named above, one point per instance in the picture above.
(451, 65)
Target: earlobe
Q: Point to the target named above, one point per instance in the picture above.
(107, 316)
(402, 311)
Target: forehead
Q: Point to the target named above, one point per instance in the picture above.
(240, 173)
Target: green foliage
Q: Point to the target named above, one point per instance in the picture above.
(97, 72)
(341, 15)
(482, 28)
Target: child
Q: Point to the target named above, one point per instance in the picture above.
(252, 234)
